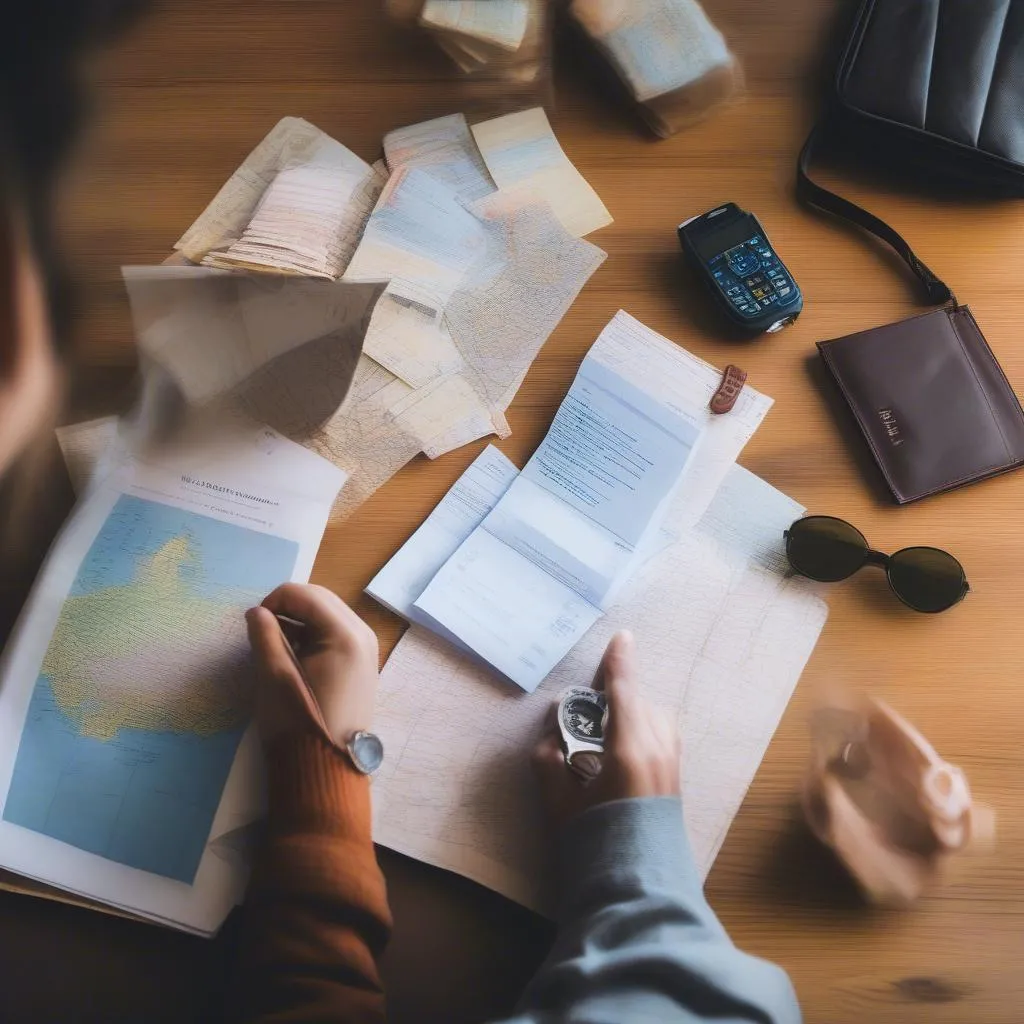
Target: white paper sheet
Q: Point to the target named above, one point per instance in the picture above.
(420, 239)
(414, 345)
(650, 361)
(511, 302)
(574, 525)
(721, 643)
(212, 329)
(130, 658)
(445, 149)
(525, 160)
(456, 516)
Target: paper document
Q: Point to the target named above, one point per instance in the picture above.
(562, 541)
(525, 160)
(293, 144)
(420, 239)
(680, 381)
(460, 512)
(398, 585)
(721, 643)
(445, 149)
(498, 319)
(310, 218)
(510, 303)
(499, 23)
(211, 329)
(410, 342)
(125, 689)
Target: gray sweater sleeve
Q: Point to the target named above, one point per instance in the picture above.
(637, 942)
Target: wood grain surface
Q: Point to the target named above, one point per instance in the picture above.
(179, 104)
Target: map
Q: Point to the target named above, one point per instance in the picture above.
(143, 695)
(722, 637)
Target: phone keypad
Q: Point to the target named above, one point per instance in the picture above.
(752, 277)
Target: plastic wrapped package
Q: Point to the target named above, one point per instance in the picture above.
(880, 796)
(674, 64)
(500, 48)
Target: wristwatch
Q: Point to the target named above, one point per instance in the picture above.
(365, 751)
(582, 717)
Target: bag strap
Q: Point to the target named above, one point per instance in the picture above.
(814, 195)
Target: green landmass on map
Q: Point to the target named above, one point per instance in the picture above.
(152, 654)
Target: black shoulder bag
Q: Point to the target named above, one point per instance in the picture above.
(937, 87)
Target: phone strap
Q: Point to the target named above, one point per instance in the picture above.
(813, 194)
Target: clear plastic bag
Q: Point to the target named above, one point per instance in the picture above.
(500, 50)
(673, 63)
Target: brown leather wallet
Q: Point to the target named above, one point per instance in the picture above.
(933, 404)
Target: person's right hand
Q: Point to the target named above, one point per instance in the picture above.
(338, 656)
(641, 745)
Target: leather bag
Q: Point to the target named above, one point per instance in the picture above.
(931, 84)
(937, 85)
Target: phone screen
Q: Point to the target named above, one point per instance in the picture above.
(710, 241)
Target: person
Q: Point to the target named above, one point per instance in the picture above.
(636, 939)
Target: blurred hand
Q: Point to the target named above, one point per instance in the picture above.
(641, 745)
(338, 656)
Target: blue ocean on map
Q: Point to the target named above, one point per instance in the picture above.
(142, 797)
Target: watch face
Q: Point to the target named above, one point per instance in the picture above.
(366, 751)
(581, 714)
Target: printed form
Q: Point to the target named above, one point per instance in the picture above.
(550, 557)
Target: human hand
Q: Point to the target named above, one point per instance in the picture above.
(641, 745)
(332, 677)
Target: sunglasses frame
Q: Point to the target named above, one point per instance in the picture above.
(883, 561)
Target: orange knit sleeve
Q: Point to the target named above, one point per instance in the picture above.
(316, 915)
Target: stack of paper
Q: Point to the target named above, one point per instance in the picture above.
(125, 690)
(476, 235)
(632, 441)
(296, 205)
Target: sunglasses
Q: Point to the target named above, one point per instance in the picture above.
(827, 549)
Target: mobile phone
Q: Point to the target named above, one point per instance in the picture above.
(731, 254)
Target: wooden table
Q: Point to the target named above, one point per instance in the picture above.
(183, 100)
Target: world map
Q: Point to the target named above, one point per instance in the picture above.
(144, 690)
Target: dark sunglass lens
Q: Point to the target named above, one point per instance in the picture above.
(825, 549)
(927, 579)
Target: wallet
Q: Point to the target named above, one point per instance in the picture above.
(932, 403)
